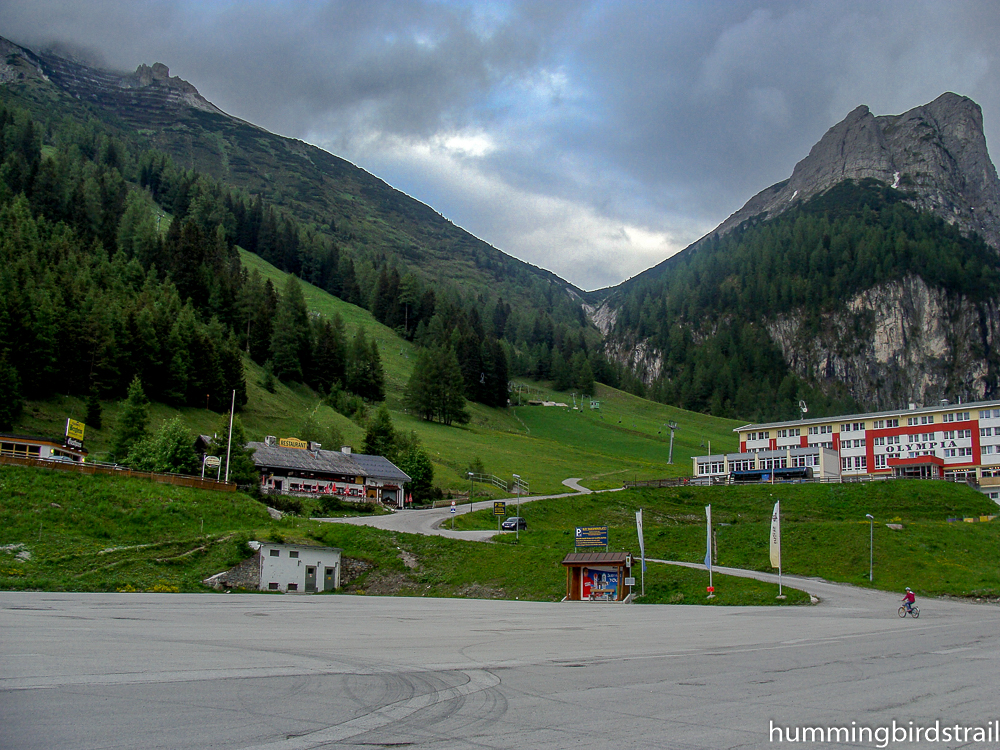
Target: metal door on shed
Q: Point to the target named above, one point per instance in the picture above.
(330, 579)
(311, 578)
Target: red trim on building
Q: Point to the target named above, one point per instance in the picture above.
(743, 446)
(803, 441)
(836, 441)
(772, 444)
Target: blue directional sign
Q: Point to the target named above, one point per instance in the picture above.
(591, 536)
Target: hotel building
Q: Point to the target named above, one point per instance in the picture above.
(948, 441)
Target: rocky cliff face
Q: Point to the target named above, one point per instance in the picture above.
(149, 90)
(936, 153)
(897, 343)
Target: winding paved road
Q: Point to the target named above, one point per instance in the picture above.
(433, 521)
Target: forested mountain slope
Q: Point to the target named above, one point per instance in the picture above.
(867, 280)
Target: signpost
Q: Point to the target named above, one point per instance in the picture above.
(212, 462)
(74, 433)
(499, 510)
(591, 536)
(453, 511)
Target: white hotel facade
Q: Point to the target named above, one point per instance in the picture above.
(947, 441)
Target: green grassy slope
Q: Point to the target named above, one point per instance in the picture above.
(624, 439)
(106, 533)
(824, 530)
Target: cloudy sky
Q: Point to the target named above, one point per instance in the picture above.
(590, 138)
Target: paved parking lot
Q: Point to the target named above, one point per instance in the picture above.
(104, 671)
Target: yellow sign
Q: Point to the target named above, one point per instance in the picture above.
(75, 429)
(499, 508)
(293, 443)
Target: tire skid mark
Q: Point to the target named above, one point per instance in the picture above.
(478, 681)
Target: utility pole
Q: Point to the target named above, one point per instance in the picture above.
(229, 447)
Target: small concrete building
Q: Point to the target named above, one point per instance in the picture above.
(302, 568)
(298, 567)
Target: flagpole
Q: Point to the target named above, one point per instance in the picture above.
(775, 546)
(708, 550)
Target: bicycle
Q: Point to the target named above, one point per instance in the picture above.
(914, 611)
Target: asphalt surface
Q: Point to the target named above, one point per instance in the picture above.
(434, 521)
(278, 672)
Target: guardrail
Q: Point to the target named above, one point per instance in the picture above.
(181, 480)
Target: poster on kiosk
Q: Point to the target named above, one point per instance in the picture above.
(600, 584)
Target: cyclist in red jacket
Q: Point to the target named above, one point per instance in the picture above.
(909, 599)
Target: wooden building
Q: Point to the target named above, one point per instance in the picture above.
(597, 576)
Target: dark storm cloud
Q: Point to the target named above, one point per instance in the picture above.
(590, 138)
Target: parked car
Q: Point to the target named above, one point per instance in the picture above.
(514, 523)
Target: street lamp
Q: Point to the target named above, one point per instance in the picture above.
(871, 544)
(670, 456)
(472, 488)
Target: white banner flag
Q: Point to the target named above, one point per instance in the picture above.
(776, 537)
(642, 546)
(708, 538)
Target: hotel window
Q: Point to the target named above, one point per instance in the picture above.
(880, 461)
(892, 423)
(912, 421)
(892, 440)
(927, 419)
(986, 450)
(965, 452)
(925, 436)
(986, 431)
(814, 430)
(912, 438)
(878, 441)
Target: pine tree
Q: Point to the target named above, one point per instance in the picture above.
(290, 338)
(10, 392)
(417, 464)
(380, 438)
(132, 423)
(94, 410)
(561, 375)
(435, 388)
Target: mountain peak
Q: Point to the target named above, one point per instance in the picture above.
(149, 87)
(936, 153)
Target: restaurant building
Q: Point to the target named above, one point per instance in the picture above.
(298, 467)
